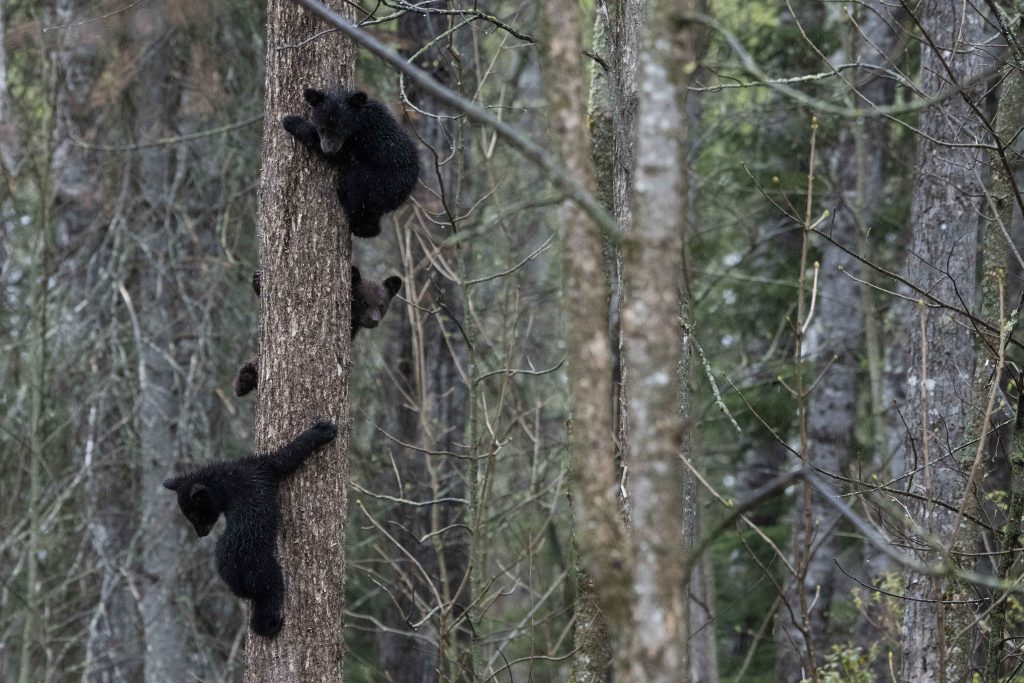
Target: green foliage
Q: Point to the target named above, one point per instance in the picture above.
(848, 664)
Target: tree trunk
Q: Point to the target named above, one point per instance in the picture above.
(8, 131)
(157, 307)
(599, 533)
(994, 258)
(835, 344)
(114, 639)
(593, 654)
(657, 351)
(626, 21)
(944, 230)
(427, 355)
(305, 250)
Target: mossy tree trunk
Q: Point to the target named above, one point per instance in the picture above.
(305, 250)
(599, 533)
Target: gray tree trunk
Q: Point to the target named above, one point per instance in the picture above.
(703, 619)
(836, 342)
(703, 638)
(114, 639)
(8, 131)
(157, 306)
(625, 22)
(305, 250)
(944, 231)
(427, 355)
(657, 352)
(994, 262)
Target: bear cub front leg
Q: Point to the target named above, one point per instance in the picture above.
(304, 131)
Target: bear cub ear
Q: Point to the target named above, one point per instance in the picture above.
(357, 99)
(199, 494)
(314, 96)
(393, 284)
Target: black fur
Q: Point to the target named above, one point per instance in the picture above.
(376, 161)
(245, 490)
(370, 301)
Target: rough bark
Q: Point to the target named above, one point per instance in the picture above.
(599, 534)
(305, 250)
(944, 230)
(625, 27)
(835, 342)
(625, 22)
(657, 351)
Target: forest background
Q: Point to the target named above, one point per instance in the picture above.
(774, 362)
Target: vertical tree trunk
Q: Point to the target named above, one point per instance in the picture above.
(593, 653)
(157, 306)
(657, 351)
(428, 354)
(1009, 117)
(599, 534)
(8, 131)
(703, 612)
(703, 650)
(114, 640)
(626, 21)
(305, 250)
(944, 224)
(836, 344)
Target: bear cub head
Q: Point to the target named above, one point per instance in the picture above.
(197, 503)
(370, 299)
(336, 115)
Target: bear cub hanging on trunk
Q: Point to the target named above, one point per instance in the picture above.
(370, 301)
(375, 160)
(245, 491)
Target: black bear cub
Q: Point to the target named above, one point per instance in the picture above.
(376, 162)
(245, 490)
(370, 301)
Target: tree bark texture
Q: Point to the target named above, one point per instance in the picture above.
(305, 249)
(625, 19)
(941, 258)
(599, 533)
(835, 343)
(657, 351)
